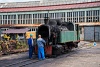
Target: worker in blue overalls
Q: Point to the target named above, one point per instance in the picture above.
(41, 42)
(30, 44)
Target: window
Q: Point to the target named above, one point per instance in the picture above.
(89, 16)
(25, 19)
(19, 19)
(81, 16)
(33, 29)
(28, 18)
(11, 19)
(62, 16)
(4, 19)
(69, 16)
(40, 18)
(51, 15)
(46, 15)
(0, 19)
(75, 17)
(96, 16)
(35, 18)
(57, 15)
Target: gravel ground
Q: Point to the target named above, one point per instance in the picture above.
(86, 55)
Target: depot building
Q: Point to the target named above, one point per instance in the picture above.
(31, 14)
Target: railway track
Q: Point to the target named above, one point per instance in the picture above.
(22, 63)
(26, 62)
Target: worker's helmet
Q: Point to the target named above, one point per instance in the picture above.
(31, 35)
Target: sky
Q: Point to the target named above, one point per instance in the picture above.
(3, 1)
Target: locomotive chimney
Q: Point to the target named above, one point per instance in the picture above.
(46, 20)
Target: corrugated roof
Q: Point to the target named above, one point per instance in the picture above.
(19, 4)
(56, 7)
(41, 3)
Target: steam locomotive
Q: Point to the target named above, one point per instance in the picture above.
(60, 36)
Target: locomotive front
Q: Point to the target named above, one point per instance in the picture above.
(50, 30)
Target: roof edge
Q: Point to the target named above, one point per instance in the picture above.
(50, 5)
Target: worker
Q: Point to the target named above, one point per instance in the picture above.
(41, 42)
(31, 46)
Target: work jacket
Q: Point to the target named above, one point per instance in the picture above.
(30, 42)
(40, 42)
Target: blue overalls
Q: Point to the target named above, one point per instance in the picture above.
(30, 44)
(41, 53)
